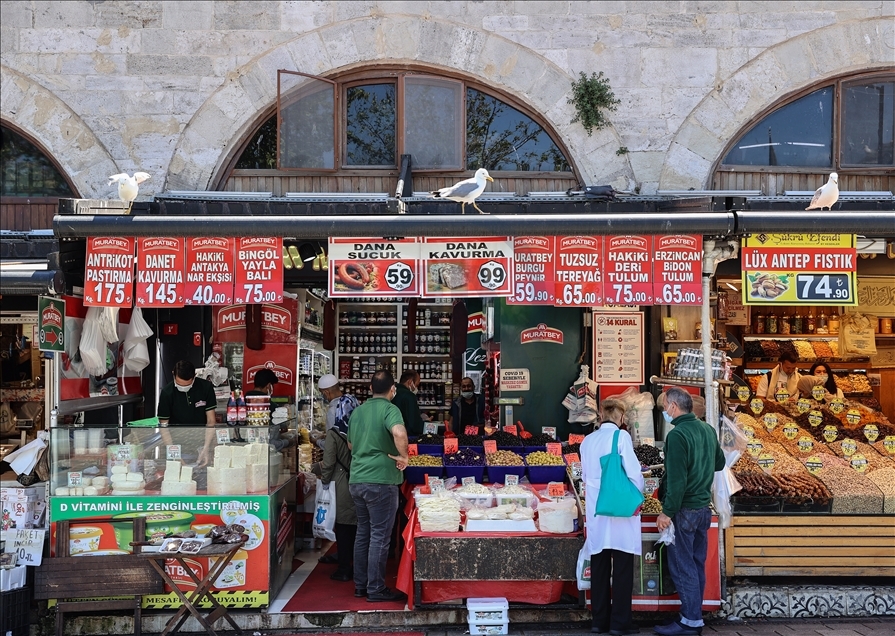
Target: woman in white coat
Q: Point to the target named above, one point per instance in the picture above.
(613, 542)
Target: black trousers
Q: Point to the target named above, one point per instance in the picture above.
(345, 536)
(611, 604)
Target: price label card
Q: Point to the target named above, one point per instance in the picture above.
(814, 464)
(451, 445)
(28, 546)
(871, 432)
(815, 418)
(412, 450)
(858, 462)
(259, 270)
(830, 433)
(430, 428)
(511, 429)
(578, 271)
(573, 458)
(556, 489)
(555, 449)
(511, 480)
(436, 484)
(109, 272)
(818, 392)
(123, 453)
(490, 446)
(576, 439)
(75, 479)
(770, 421)
(549, 430)
(361, 267)
(252, 434)
(805, 444)
(263, 436)
(755, 447)
(172, 452)
(757, 405)
(628, 267)
(781, 395)
(223, 435)
(849, 447)
(471, 430)
(889, 444)
(160, 265)
(677, 272)
(533, 264)
(467, 481)
(803, 405)
(575, 468)
(473, 266)
(210, 271)
(853, 417)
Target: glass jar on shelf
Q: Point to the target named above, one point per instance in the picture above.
(771, 326)
(785, 325)
(810, 322)
(758, 322)
(797, 322)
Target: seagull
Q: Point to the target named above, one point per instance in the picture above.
(128, 186)
(826, 195)
(466, 191)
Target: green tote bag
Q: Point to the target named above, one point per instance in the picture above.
(618, 496)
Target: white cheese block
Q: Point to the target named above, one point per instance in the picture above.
(178, 488)
(135, 477)
(172, 471)
(119, 470)
(222, 455)
(91, 491)
(256, 478)
(78, 492)
(129, 485)
(213, 481)
(62, 491)
(233, 481)
(100, 482)
(128, 493)
(186, 474)
(238, 459)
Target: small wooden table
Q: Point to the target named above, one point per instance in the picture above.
(192, 598)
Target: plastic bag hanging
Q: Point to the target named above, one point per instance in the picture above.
(136, 353)
(92, 345)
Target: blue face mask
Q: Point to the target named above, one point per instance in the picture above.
(667, 417)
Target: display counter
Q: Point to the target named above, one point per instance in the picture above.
(126, 472)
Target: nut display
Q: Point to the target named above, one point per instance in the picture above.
(884, 479)
(542, 458)
(504, 458)
(768, 285)
(651, 506)
(804, 350)
(424, 460)
(853, 493)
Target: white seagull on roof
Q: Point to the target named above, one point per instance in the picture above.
(826, 195)
(128, 186)
(466, 191)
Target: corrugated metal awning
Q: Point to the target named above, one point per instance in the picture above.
(29, 278)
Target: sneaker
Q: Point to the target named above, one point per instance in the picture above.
(677, 629)
(359, 593)
(386, 595)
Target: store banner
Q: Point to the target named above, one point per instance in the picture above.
(578, 271)
(799, 269)
(627, 266)
(51, 317)
(279, 322)
(533, 279)
(109, 272)
(259, 270)
(361, 267)
(210, 271)
(677, 269)
(475, 266)
(160, 272)
(282, 359)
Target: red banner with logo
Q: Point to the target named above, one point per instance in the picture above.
(628, 270)
(373, 267)
(475, 266)
(279, 322)
(677, 269)
(282, 359)
(541, 333)
(259, 270)
(578, 271)
(533, 280)
(209, 271)
(160, 272)
(109, 272)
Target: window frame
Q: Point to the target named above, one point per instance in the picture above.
(42, 149)
(837, 84)
(342, 133)
(337, 108)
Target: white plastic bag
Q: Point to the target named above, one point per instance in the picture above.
(667, 536)
(723, 486)
(325, 512)
(93, 347)
(582, 570)
(108, 324)
(136, 353)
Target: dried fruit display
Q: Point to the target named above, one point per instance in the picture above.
(770, 349)
(753, 349)
(796, 483)
(853, 493)
(755, 482)
(804, 350)
(859, 383)
(822, 349)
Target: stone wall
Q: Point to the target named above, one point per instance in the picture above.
(169, 87)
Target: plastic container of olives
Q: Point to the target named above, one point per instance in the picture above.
(498, 474)
(545, 474)
(466, 471)
(417, 474)
(528, 450)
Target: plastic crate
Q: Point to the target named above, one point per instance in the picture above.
(487, 610)
(489, 628)
(498, 474)
(519, 450)
(430, 449)
(417, 474)
(15, 611)
(477, 449)
(528, 450)
(545, 474)
(480, 500)
(466, 471)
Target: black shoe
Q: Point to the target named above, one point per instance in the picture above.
(359, 593)
(329, 559)
(386, 595)
(341, 576)
(625, 632)
(599, 630)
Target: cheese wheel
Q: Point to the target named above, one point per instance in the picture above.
(62, 491)
(119, 470)
(135, 477)
(90, 491)
(100, 482)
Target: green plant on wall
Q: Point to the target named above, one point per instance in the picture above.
(591, 96)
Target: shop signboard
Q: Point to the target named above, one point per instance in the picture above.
(279, 323)
(618, 347)
(51, 316)
(533, 280)
(628, 271)
(243, 583)
(109, 272)
(578, 271)
(677, 269)
(160, 272)
(475, 266)
(361, 267)
(799, 269)
(210, 271)
(279, 358)
(259, 270)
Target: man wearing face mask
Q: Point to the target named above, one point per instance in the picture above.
(405, 400)
(188, 401)
(338, 405)
(466, 410)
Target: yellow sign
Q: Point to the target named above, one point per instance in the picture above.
(800, 240)
(830, 433)
(889, 444)
(871, 432)
(815, 418)
(837, 406)
(755, 447)
(770, 421)
(806, 444)
(782, 394)
(814, 464)
(766, 461)
(790, 431)
(756, 405)
(818, 392)
(849, 447)
(859, 463)
(804, 405)
(853, 416)
(743, 393)
(749, 432)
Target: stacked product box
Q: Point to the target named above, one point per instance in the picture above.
(488, 615)
(23, 507)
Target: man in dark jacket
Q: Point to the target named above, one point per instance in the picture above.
(692, 455)
(405, 400)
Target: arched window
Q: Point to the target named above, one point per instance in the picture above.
(26, 170)
(846, 123)
(369, 121)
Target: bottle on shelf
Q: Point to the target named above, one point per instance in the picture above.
(241, 411)
(797, 322)
(822, 321)
(759, 322)
(771, 326)
(835, 321)
(232, 412)
(810, 322)
(785, 323)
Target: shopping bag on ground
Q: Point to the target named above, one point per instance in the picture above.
(582, 570)
(325, 511)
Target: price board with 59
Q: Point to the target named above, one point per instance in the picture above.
(373, 267)
(533, 280)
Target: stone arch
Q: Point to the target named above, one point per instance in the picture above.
(226, 116)
(838, 49)
(62, 133)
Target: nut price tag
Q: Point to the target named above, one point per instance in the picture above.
(172, 452)
(837, 406)
(889, 444)
(804, 405)
(805, 444)
(757, 405)
(555, 449)
(451, 445)
(572, 458)
(412, 450)
(770, 421)
(830, 433)
(781, 395)
(871, 432)
(223, 435)
(490, 446)
(815, 418)
(556, 489)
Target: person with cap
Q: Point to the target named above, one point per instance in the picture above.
(264, 381)
(338, 405)
(784, 375)
(187, 401)
(405, 400)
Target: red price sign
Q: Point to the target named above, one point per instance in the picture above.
(576, 439)
(109, 272)
(555, 449)
(573, 458)
(373, 267)
(511, 429)
(677, 269)
(412, 450)
(451, 445)
(533, 280)
(490, 446)
(210, 271)
(579, 271)
(628, 268)
(556, 489)
(478, 266)
(471, 430)
(160, 272)
(259, 270)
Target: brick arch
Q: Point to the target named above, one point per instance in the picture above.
(71, 144)
(849, 47)
(230, 113)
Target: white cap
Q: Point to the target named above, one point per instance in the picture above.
(327, 381)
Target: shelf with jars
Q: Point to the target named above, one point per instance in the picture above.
(795, 321)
